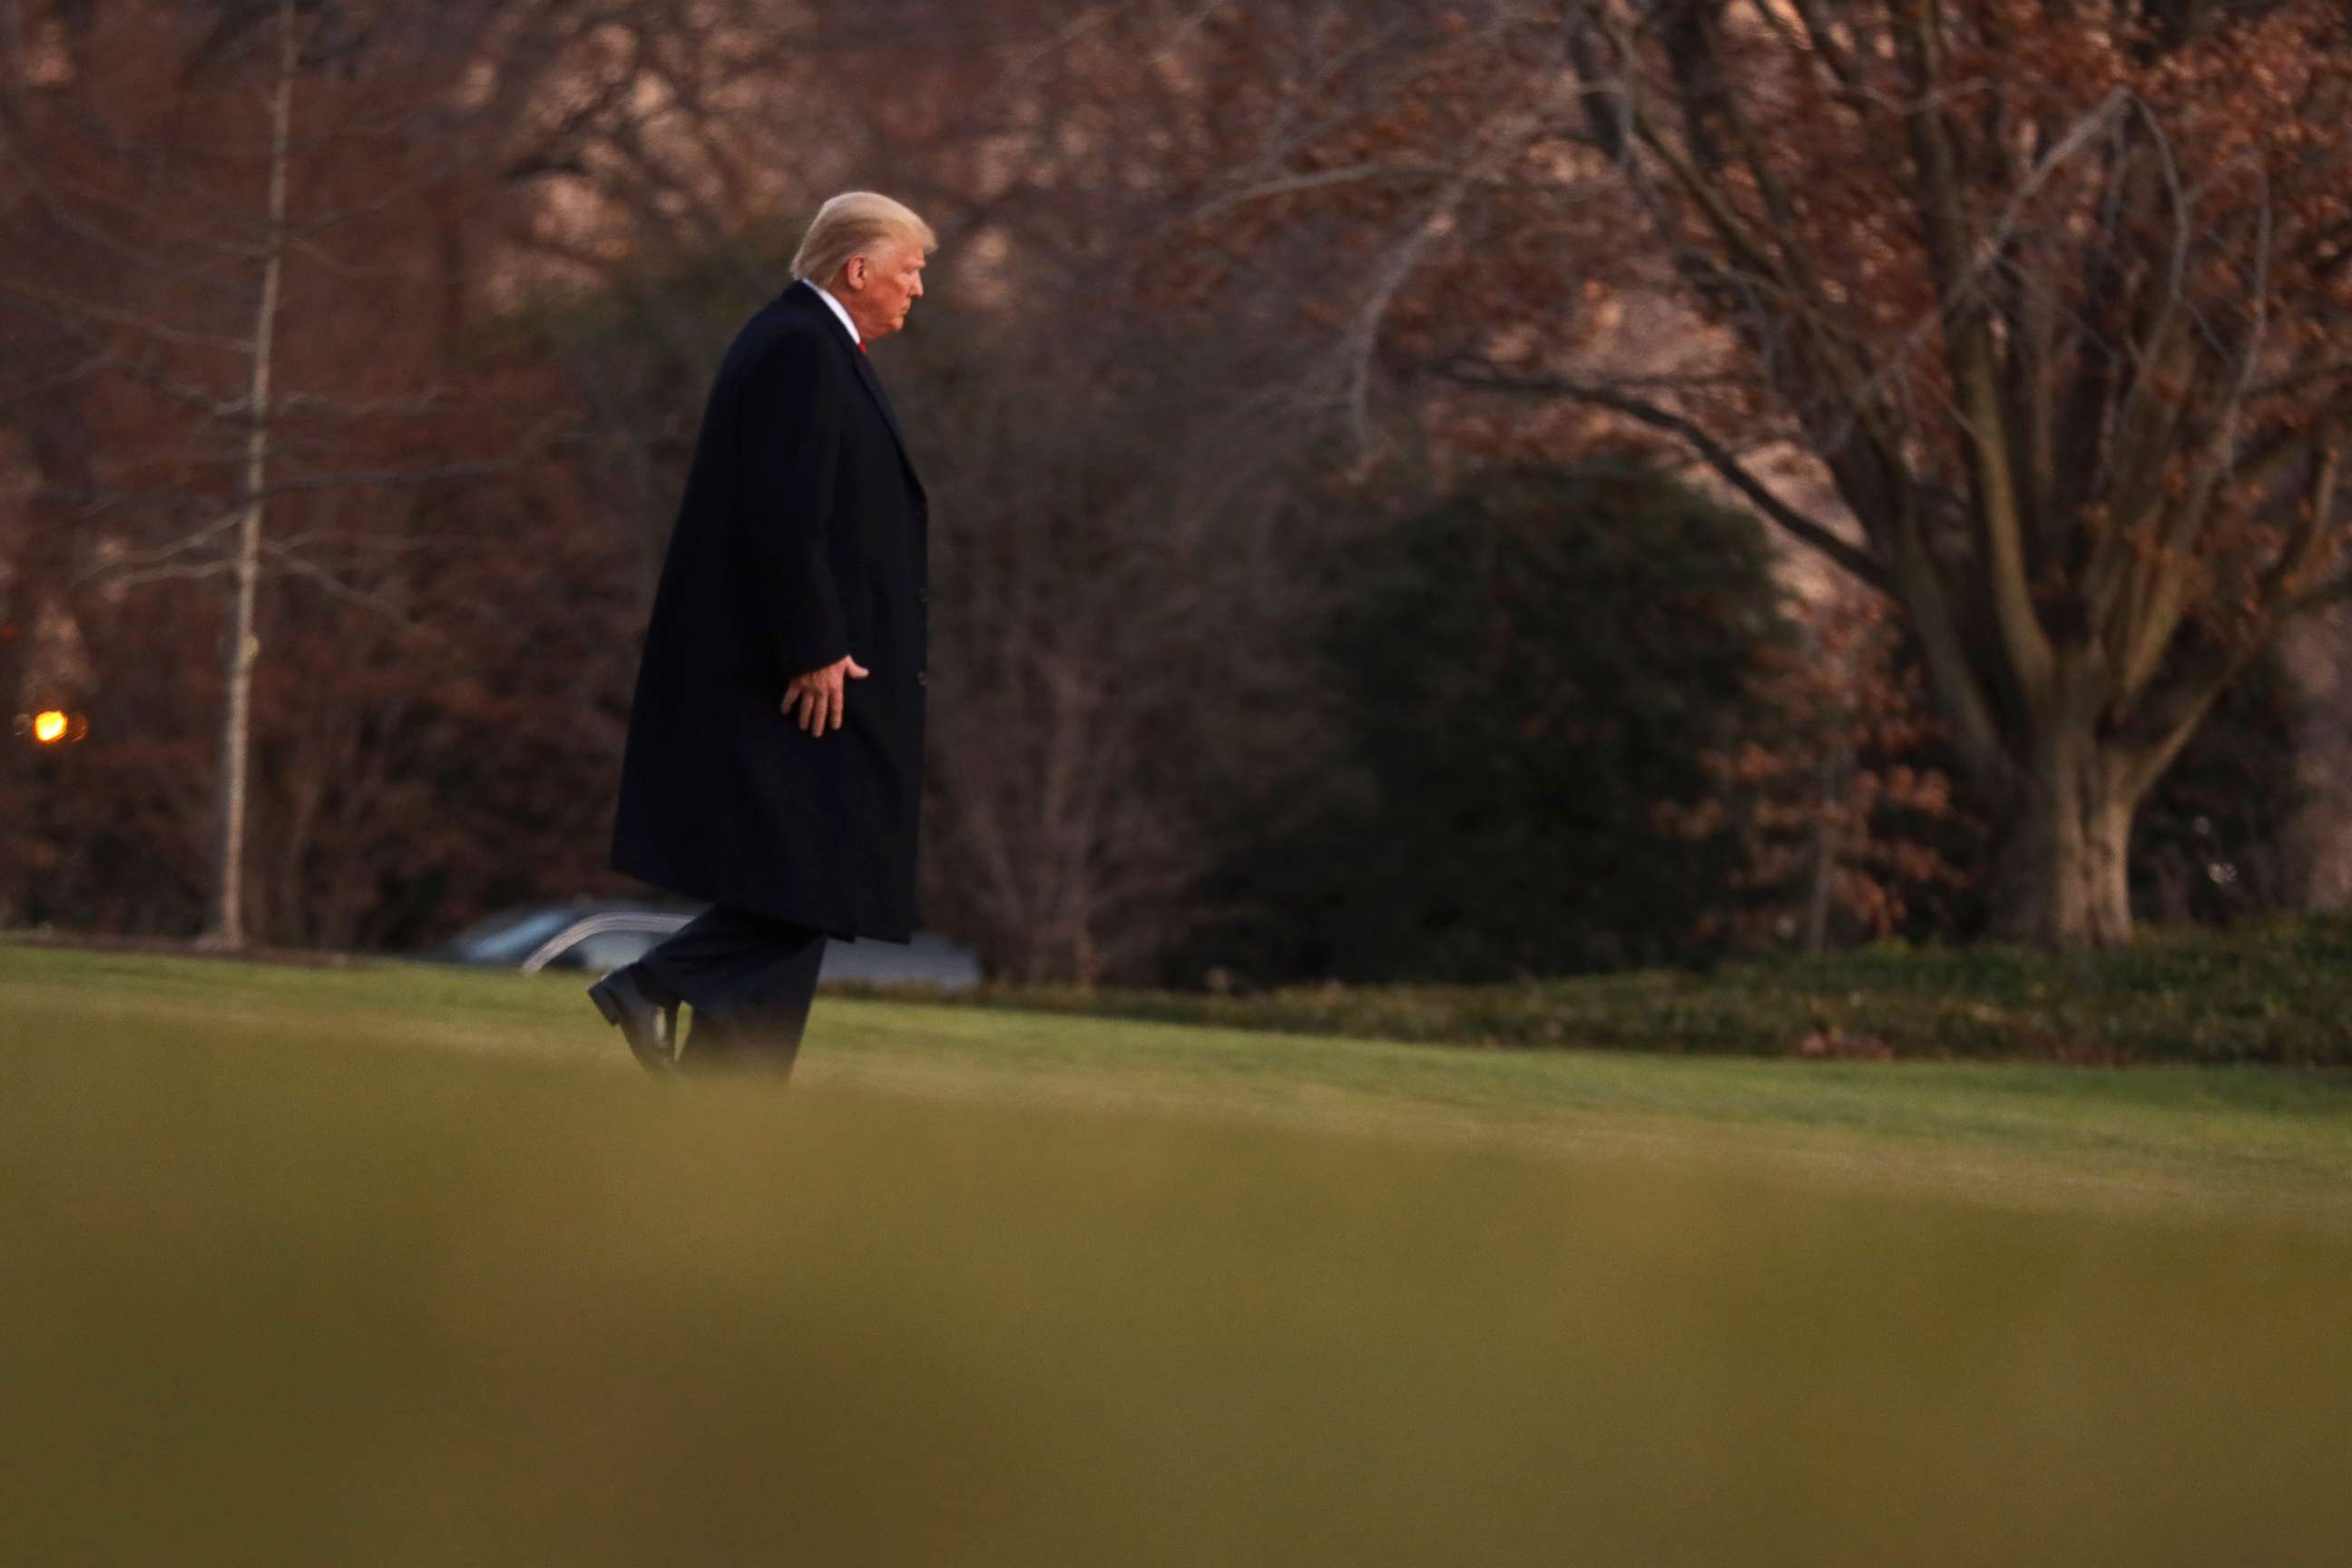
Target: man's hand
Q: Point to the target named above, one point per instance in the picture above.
(818, 692)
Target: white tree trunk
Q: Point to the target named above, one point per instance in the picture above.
(227, 925)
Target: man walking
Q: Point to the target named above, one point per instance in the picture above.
(775, 749)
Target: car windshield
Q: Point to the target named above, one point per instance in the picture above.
(507, 938)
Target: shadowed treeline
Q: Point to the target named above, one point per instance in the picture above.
(382, 334)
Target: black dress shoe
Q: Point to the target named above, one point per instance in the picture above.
(649, 1026)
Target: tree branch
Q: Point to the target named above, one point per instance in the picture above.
(1714, 453)
(1968, 348)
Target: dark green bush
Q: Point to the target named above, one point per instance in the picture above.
(1531, 671)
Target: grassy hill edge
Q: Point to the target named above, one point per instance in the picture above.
(2174, 1140)
(2273, 993)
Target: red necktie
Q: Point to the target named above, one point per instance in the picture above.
(861, 345)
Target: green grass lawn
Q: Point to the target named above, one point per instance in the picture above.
(2159, 1138)
(390, 1264)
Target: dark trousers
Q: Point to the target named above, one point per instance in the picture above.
(750, 979)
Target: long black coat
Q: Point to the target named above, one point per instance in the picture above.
(801, 539)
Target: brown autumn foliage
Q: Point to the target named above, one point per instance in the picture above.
(1850, 825)
(425, 581)
(464, 510)
(2055, 303)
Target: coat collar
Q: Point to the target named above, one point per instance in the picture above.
(839, 312)
(804, 296)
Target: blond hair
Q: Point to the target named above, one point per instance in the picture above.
(852, 224)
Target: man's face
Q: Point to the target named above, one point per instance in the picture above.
(883, 286)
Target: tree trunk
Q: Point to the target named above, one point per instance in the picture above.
(2062, 879)
(227, 925)
(1835, 764)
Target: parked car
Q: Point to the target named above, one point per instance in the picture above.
(594, 936)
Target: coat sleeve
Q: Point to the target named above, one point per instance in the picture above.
(791, 437)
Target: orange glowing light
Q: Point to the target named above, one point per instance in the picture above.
(49, 727)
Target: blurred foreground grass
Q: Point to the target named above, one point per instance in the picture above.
(277, 1286)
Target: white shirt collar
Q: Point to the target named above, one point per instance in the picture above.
(826, 295)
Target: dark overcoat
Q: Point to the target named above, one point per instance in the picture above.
(801, 538)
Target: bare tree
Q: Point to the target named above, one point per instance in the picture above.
(240, 296)
(227, 926)
(2058, 300)
(1120, 670)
